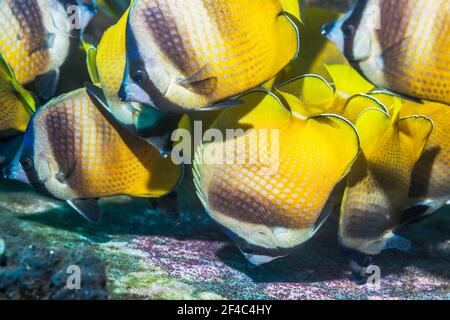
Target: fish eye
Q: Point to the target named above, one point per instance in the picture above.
(27, 164)
(348, 31)
(139, 76)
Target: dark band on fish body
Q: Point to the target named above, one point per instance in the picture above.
(38, 38)
(28, 153)
(355, 21)
(135, 63)
(362, 224)
(167, 36)
(258, 213)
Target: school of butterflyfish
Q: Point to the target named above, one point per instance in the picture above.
(355, 112)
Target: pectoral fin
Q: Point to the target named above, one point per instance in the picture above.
(227, 104)
(89, 209)
(91, 61)
(7, 75)
(201, 82)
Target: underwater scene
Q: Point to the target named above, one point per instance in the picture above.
(224, 150)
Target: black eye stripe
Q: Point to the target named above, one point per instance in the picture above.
(139, 76)
(27, 164)
(354, 22)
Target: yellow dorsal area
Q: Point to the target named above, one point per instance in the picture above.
(16, 104)
(440, 114)
(349, 98)
(359, 103)
(375, 126)
(415, 132)
(372, 126)
(262, 45)
(312, 91)
(414, 120)
(348, 81)
(248, 116)
(288, 186)
(111, 59)
(293, 7)
(105, 160)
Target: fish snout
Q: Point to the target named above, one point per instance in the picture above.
(15, 173)
(327, 28)
(122, 94)
(132, 92)
(9, 173)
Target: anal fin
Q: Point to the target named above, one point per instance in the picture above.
(396, 242)
(47, 84)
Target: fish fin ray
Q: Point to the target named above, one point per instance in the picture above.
(396, 242)
(227, 104)
(201, 81)
(296, 8)
(88, 208)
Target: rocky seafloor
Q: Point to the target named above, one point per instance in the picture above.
(138, 252)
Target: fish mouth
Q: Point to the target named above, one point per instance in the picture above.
(14, 173)
(327, 28)
(131, 92)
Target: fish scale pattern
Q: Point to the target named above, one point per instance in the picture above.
(288, 190)
(13, 114)
(415, 37)
(16, 40)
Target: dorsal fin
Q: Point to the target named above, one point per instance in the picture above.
(347, 80)
(371, 125)
(415, 131)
